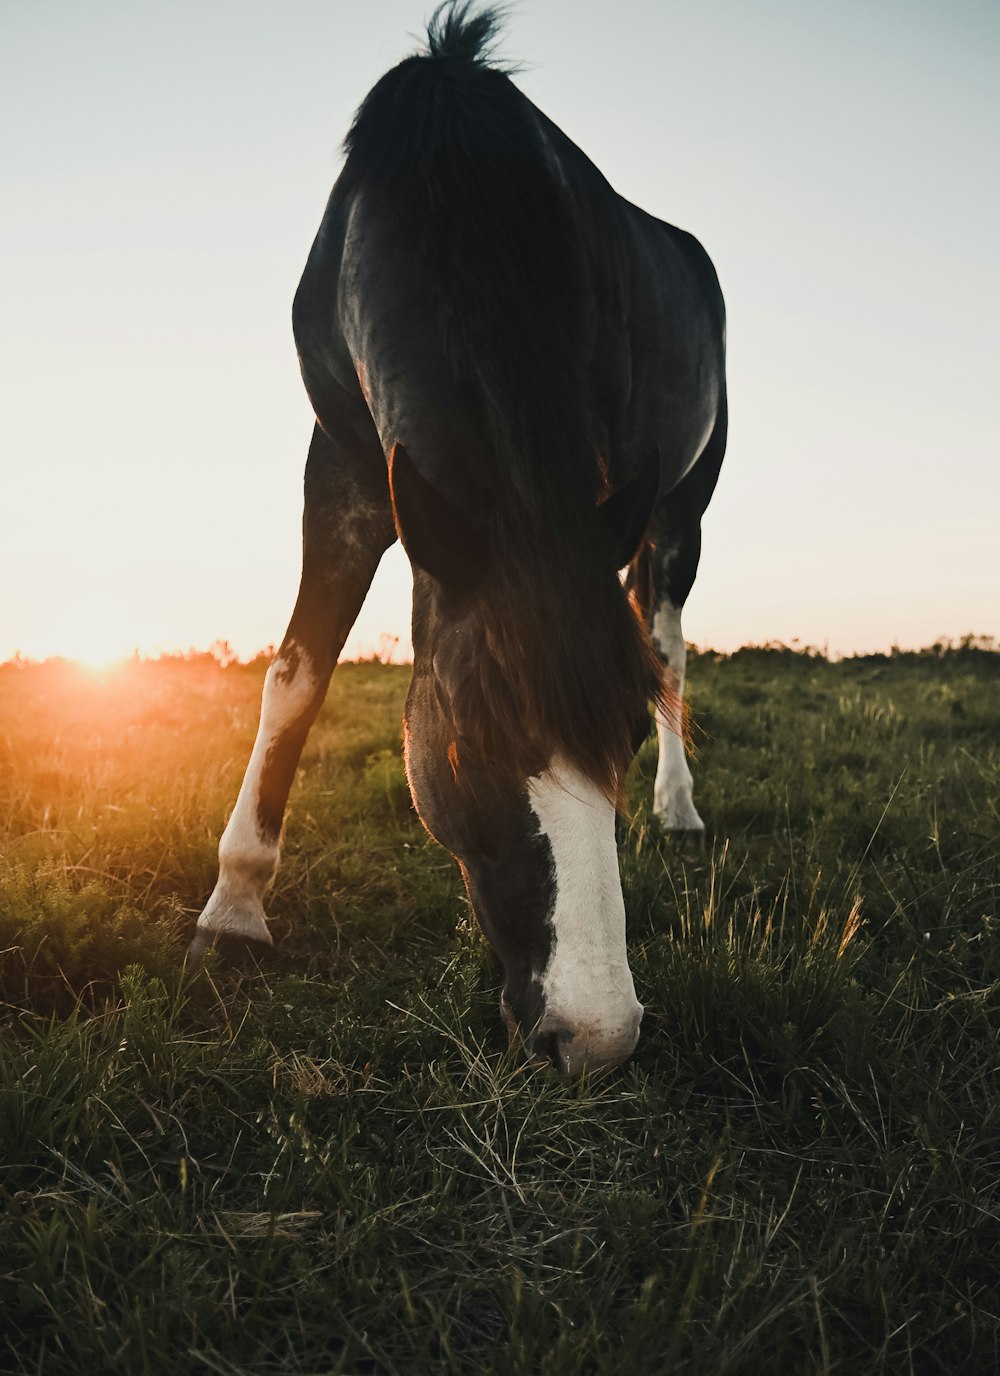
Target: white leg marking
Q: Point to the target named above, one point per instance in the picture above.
(248, 860)
(673, 790)
(589, 995)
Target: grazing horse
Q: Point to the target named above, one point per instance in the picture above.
(521, 376)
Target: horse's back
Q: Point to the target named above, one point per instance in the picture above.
(652, 348)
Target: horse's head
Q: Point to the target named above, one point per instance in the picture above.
(514, 763)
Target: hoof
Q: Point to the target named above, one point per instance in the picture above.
(688, 839)
(235, 952)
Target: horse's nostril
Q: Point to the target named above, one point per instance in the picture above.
(547, 1046)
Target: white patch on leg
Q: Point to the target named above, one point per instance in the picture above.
(590, 1001)
(673, 789)
(248, 860)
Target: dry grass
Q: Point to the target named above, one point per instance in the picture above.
(338, 1166)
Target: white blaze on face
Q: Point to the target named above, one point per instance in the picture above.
(247, 859)
(587, 985)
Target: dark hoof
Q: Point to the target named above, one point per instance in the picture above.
(235, 952)
(689, 840)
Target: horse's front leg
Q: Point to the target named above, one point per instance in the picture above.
(347, 526)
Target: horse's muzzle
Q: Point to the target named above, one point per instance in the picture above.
(582, 1050)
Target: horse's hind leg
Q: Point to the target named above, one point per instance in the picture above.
(663, 578)
(347, 526)
(673, 788)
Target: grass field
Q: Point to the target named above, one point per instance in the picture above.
(338, 1166)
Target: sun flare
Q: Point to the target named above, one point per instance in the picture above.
(95, 649)
(97, 666)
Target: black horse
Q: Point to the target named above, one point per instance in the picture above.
(521, 376)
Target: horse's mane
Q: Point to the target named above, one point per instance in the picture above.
(452, 158)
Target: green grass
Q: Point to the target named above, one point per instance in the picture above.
(338, 1166)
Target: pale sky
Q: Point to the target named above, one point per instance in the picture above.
(164, 168)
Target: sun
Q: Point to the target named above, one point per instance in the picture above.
(96, 652)
(98, 666)
(96, 649)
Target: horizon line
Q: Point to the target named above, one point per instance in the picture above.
(221, 653)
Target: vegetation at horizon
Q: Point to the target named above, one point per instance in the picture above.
(337, 1165)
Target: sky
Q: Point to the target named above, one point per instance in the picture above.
(164, 168)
